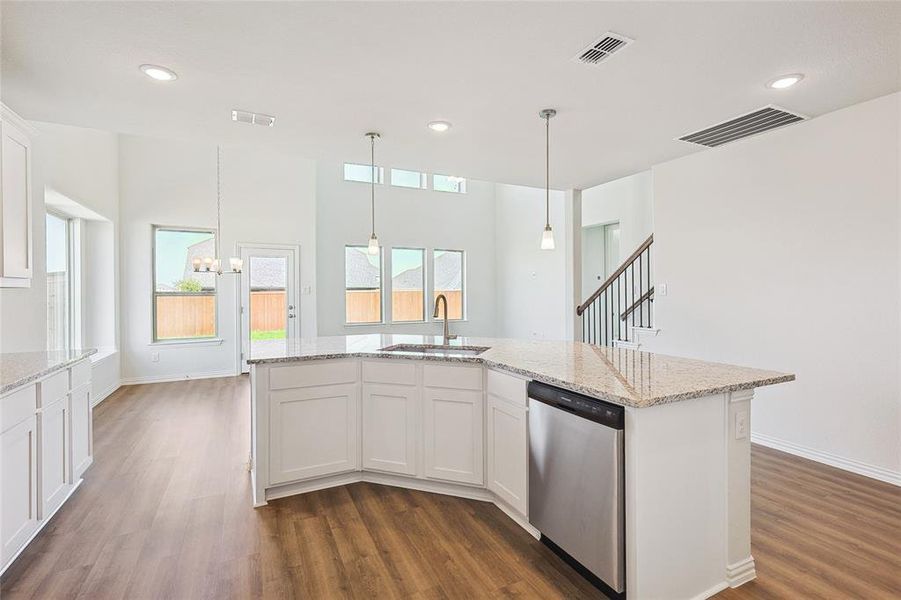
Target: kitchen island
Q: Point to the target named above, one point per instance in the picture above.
(390, 409)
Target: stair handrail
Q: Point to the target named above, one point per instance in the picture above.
(646, 296)
(610, 280)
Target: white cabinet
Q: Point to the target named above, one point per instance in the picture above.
(53, 423)
(313, 432)
(18, 485)
(82, 430)
(390, 427)
(453, 434)
(508, 466)
(15, 201)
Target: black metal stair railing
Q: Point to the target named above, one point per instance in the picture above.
(625, 300)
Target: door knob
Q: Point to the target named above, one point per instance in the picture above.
(290, 316)
(290, 307)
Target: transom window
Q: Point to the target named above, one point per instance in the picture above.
(184, 302)
(409, 179)
(449, 183)
(363, 173)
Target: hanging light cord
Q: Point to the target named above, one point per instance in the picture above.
(547, 170)
(372, 180)
(218, 199)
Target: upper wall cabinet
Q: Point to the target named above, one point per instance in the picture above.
(15, 201)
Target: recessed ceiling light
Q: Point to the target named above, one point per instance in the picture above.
(159, 73)
(785, 81)
(440, 126)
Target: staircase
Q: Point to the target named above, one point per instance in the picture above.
(616, 313)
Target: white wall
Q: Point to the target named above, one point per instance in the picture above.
(782, 252)
(629, 201)
(411, 218)
(266, 198)
(530, 285)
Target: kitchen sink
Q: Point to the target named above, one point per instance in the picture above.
(436, 349)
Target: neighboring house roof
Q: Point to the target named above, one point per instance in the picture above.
(200, 250)
(360, 274)
(267, 273)
(448, 275)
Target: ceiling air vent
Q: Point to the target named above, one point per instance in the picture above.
(759, 121)
(244, 116)
(600, 50)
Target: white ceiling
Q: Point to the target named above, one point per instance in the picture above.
(332, 71)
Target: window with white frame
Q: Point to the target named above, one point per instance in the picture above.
(409, 179)
(60, 313)
(449, 183)
(407, 284)
(448, 270)
(363, 173)
(362, 286)
(184, 302)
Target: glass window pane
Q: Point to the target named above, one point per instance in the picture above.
(362, 173)
(184, 301)
(407, 284)
(449, 183)
(362, 285)
(448, 269)
(268, 297)
(410, 179)
(57, 283)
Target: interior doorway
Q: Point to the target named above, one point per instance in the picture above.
(600, 255)
(270, 310)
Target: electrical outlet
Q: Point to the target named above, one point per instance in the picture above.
(155, 357)
(307, 290)
(741, 425)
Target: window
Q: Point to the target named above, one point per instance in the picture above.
(448, 269)
(362, 285)
(407, 284)
(184, 302)
(449, 183)
(362, 173)
(59, 299)
(408, 179)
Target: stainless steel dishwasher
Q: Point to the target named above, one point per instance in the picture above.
(576, 496)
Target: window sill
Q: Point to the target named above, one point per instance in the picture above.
(200, 342)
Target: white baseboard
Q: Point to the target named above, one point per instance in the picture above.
(827, 458)
(741, 572)
(95, 400)
(170, 378)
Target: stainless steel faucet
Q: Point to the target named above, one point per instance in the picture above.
(447, 336)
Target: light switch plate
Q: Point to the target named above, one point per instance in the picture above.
(662, 289)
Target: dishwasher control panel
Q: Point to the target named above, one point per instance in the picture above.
(586, 407)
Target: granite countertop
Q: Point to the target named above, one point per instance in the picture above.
(19, 368)
(618, 375)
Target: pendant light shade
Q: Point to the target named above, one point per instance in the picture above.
(547, 236)
(213, 264)
(373, 246)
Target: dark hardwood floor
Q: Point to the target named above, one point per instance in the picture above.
(165, 513)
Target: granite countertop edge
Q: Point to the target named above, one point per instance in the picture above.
(569, 385)
(43, 371)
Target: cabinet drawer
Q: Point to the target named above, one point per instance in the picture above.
(454, 377)
(17, 406)
(54, 388)
(81, 374)
(508, 387)
(396, 372)
(313, 374)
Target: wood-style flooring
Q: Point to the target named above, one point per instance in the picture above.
(165, 512)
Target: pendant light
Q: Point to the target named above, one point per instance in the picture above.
(373, 247)
(547, 236)
(213, 264)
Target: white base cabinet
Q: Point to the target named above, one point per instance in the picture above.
(453, 435)
(45, 446)
(390, 428)
(508, 451)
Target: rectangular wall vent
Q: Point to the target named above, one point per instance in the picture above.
(252, 118)
(602, 49)
(759, 121)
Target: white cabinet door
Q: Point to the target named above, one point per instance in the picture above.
(508, 455)
(313, 432)
(53, 427)
(453, 434)
(15, 205)
(82, 446)
(390, 427)
(18, 487)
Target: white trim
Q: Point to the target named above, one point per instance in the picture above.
(189, 342)
(741, 572)
(713, 591)
(41, 524)
(827, 458)
(98, 398)
(168, 378)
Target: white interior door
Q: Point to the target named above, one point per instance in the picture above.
(270, 310)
